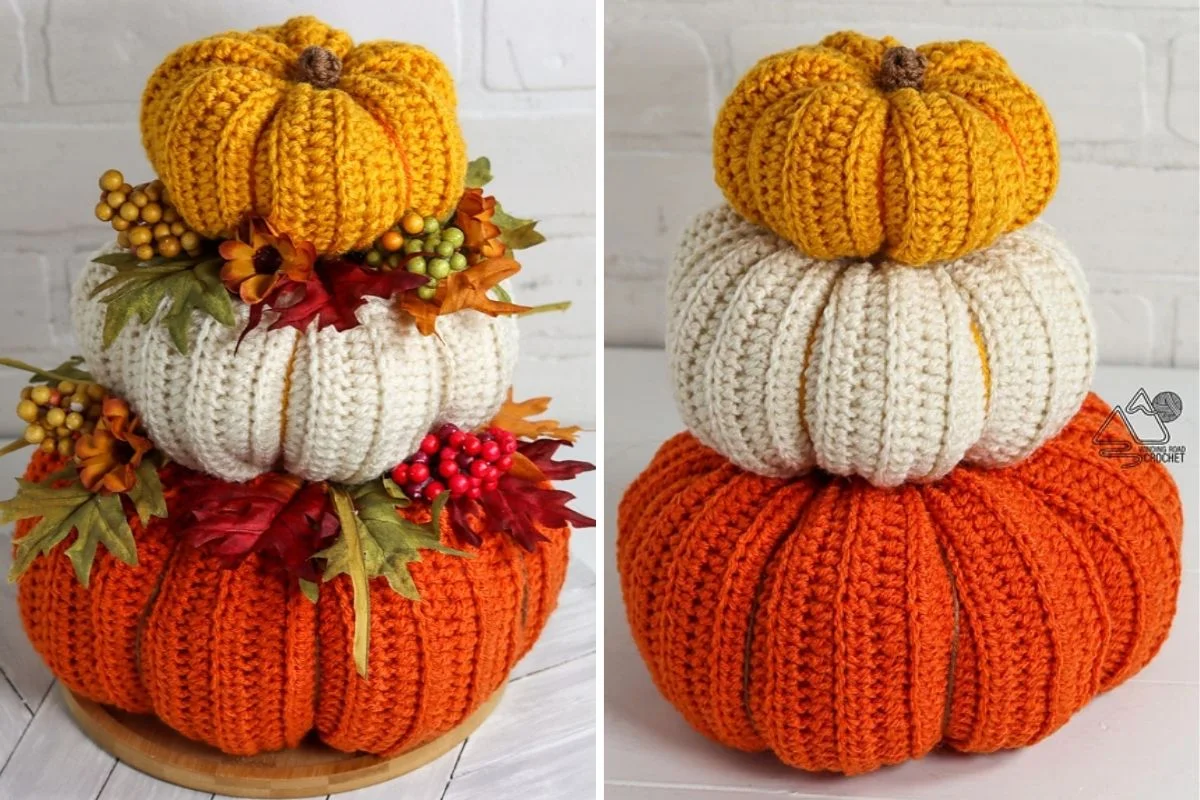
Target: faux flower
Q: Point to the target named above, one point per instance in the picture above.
(253, 270)
(109, 456)
(474, 217)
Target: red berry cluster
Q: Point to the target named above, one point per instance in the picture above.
(465, 464)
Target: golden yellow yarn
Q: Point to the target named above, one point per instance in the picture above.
(812, 146)
(233, 126)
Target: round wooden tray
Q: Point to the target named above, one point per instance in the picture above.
(147, 744)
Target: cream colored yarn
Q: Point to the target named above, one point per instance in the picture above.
(784, 363)
(357, 402)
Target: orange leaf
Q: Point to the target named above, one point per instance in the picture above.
(469, 288)
(463, 290)
(525, 469)
(423, 313)
(514, 417)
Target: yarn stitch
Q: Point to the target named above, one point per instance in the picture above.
(846, 627)
(784, 363)
(357, 402)
(835, 148)
(239, 124)
(241, 660)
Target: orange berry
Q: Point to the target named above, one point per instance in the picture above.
(412, 222)
(392, 241)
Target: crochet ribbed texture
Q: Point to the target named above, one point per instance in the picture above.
(322, 404)
(846, 627)
(857, 145)
(782, 362)
(239, 659)
(332, 152)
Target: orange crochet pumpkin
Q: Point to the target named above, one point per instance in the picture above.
(857, 145)
(846, 627)
(241, 660)
(330, 142)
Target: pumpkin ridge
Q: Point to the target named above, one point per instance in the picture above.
(393, 136)
(679, 637)
(1034, 570)
(453, 172)
(227, 209)
(783, 532)
(286, 395)
(1123, 659)
(144, 618)
(1168, 542)
(962, 606)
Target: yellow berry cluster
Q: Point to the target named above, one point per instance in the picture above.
(58, 415)
(144, 219)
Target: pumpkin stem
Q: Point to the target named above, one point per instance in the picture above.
(319, 66)
(902, 68)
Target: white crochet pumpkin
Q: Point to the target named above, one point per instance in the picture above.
(784, 363)
(321, 405)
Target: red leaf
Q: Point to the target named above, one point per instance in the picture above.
(541, 454)
(332, 296)
(274, 514)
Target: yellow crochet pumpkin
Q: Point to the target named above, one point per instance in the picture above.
(858, 147)
(330, 142)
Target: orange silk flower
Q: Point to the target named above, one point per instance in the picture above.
(474, 217)
(253, 270)
(109, 456)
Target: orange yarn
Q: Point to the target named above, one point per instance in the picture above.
(846, 627)
(241, 660)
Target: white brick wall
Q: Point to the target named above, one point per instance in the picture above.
(1119, 76)
(71, 74)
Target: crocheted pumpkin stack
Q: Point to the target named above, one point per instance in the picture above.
(286, 489)
(888, 527)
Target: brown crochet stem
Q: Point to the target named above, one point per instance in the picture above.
(902, 68)
(319, 66)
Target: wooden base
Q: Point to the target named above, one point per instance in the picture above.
(147, 744)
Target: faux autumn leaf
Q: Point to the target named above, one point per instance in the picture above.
(274, 514)
(95, 518)
(466, 289)
(69, 370)
(515, 418)
(331, 297)
(376, 541)
(177, 286)
(516, 233)
(479, 173)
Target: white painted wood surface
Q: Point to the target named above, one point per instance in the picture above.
(539, 744)
(1138, 741)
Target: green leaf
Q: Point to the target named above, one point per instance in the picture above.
(67, 371)
(188, 284)
(95, 518)
(120, 259)
(395, 492)
(347, 556)
(479, 173)
(311, 590)
(515, 232)
(376, 541)
(147, 494)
